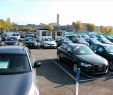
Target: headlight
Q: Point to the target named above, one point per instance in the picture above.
(36, 43)
(33, 91)
(85, 64)
(106, 62)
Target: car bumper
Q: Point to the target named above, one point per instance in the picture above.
(95, 69)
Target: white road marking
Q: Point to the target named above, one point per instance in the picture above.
(68, 72)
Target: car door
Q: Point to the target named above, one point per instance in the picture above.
(70, 54)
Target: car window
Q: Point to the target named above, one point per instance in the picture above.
(64, 46)
(14, 63)
(82, 50)
(70, 49)
(100, 49)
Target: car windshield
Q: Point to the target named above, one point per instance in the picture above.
(65, 39)
(15, 34)
(81, 40)
(109, 49)
(82, 50)
(48, 39)
(104, 40)
(13, 63)
(95, 41)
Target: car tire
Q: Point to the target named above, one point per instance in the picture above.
(75, 68)
(111, 66)
(59, 57)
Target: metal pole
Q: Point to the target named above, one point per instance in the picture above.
(77, 80)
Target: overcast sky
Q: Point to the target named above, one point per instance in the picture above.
(99, 12)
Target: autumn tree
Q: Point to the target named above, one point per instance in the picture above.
(2, 25)
(91, 27)
(77, 25)
(105, 29)
(8, 24)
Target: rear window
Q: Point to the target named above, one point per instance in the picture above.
(14, 63)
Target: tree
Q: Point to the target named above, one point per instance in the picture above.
(91, 27)
(77, 25)
(49, 27)
(2, 25)
(105, 29)
(8, 24)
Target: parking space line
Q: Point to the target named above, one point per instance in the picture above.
(83, 80)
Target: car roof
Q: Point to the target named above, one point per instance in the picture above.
(104, 45)
(13, 50)
(76, 44)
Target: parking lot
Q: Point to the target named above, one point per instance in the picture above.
(56, 78)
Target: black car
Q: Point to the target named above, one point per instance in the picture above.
(106, 51)
(93, 43)
(83, 57)
(78, 39)
(11, 41)
(31, 42)
(61, 40)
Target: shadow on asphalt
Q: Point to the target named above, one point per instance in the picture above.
(53, 73)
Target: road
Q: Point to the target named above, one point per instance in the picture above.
(56, 78)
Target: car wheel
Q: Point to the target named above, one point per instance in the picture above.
(111, 66)
(59, 57)
(75, 68)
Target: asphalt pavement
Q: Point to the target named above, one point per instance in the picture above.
(58, 78)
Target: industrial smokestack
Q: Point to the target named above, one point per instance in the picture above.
(58, 19)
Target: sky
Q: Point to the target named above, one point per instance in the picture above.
(99, 12)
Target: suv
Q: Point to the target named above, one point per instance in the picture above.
(80, 55)
(17, 71)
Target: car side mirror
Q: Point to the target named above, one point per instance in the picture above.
(36, 64)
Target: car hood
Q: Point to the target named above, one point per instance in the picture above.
(92, 59)
(29, 41)
(18, 84)
(50, 42)
(11, 41)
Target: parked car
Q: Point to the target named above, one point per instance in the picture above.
(48, 42)
(61, 40)
(11, 41)
(93, 43)
(106, 51)
(17, 35)
(109, 37)
(80, 55)
(79, 40)
(31, 42)
(17, 71)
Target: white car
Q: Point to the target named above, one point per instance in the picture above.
(48, 43)
(17, 35)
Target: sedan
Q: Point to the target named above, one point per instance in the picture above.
(106, 51)
(17, 71)
(31, 42)
(79, 55)
(11, 41)
(48, 43)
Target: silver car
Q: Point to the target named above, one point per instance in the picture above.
(17, 71)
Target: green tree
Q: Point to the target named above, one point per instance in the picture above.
(91, 27)
(77, 25)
